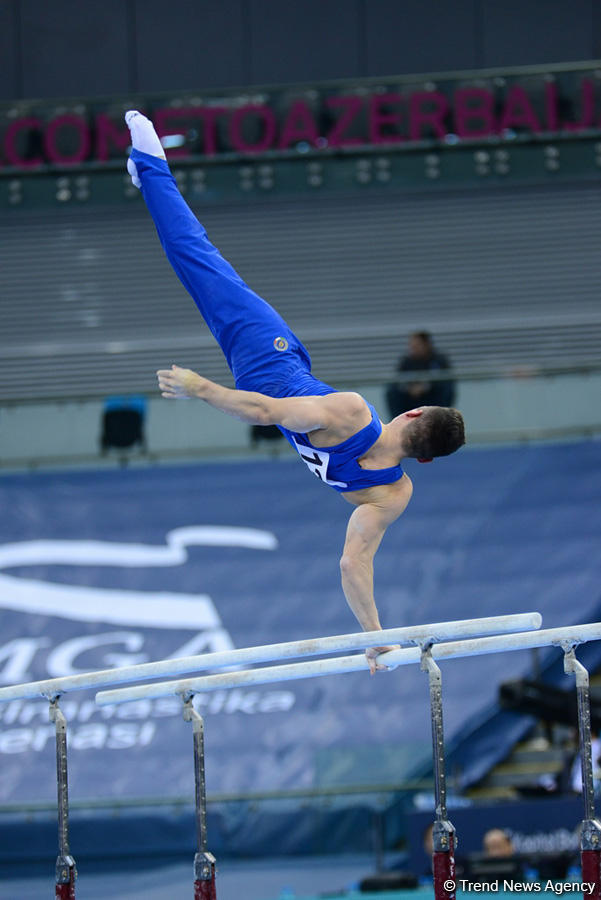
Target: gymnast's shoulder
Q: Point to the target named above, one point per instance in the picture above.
(390, 499)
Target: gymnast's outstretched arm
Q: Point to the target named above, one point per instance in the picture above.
(302, 414)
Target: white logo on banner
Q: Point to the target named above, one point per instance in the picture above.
(151, 609)
(80, 603)
(157, 609)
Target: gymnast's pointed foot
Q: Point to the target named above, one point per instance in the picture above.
(144, 138)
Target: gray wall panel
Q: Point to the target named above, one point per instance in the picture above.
(315, 39)
(518, 33)
(74, 49)
(503, 278)
(420, 36)
(9, 58)
(190, 45)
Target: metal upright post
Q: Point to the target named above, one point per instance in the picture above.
(443, 833)
(66, 873)
(204, 862)
(590, 831)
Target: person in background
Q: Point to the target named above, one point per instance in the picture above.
(497, 844)
(576, 770)
(422, 356)
(428, 845)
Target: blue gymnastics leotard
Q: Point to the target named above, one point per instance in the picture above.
(263, 353)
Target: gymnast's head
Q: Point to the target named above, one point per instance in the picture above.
(430, 431)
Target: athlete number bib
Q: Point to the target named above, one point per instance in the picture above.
(317, 461)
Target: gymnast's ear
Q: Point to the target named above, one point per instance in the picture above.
(425, 460)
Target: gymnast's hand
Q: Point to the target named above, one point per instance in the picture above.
(371, 654)
(176, 383)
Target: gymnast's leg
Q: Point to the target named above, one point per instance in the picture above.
(250, 332)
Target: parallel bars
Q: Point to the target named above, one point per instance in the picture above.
(427, 651)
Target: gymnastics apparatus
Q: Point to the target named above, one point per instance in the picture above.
(425, 644)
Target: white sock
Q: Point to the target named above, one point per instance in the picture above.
(133, 171)
(143, 135)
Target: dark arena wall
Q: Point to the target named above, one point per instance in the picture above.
(96, 49)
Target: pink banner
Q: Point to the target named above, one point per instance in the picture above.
(369, 118)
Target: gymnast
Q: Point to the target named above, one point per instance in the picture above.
(336, 433)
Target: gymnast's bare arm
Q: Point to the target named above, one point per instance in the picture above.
(336, 416)
(376, 509)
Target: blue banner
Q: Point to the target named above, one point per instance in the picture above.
(103, 569)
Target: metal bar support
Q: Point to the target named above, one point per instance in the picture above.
(590, 832)
(204, 862)
(66, 872)
(443, 832)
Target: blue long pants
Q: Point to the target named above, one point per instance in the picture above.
(262, 352)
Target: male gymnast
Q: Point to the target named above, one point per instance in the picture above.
(336, 433)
